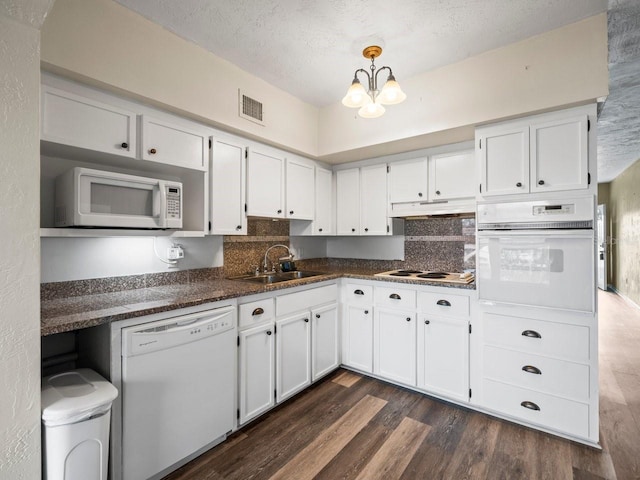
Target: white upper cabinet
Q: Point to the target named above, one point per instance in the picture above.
(265, 184)
(559, 154)
(227, 188)
(546, 153)
(323, 224)
(348, 202)
(300, 186)
(74, 120)
(452, 175)
(173, 144)
(373, 200)
(504, 154)
(408, 181)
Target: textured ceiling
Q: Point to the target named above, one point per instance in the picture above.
(619, 121)
(310, 48)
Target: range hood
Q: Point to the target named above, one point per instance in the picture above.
(422, 209)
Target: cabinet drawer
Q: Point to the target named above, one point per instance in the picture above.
(543, 374)
(253, 313)
(356, 294)
(395, 297)
(555, 413)
(444, 304)
(305, 300)
(561, 340)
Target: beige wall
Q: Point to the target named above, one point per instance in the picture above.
(20, 260)
(103, 43)
(603, 198)
(624, 221)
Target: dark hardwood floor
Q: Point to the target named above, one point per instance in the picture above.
(353, 427)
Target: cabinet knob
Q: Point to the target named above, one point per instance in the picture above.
(408, 319)
(519, 184)
(152, 151)
(540, 182)
(290, 212)
(366, 229)
(531, 334)
(268, 332)
(530, 405)
(239, 227)
(358, 292)
(532, 369)
(353, 229)
(366, 312)
(443, 303)
(427, 322)
(437, 192)
(419, 194)
(257, 311)
(395, 296)
(280, 211)
(124, 145)
(317, 315)
(306, 320)
(319, 229)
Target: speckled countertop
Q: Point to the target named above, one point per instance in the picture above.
(64, 314)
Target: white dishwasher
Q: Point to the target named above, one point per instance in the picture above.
(178, 398)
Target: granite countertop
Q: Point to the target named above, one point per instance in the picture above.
(65, 314)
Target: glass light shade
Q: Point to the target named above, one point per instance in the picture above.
(391, 93)
(356, 96)
(371, 110)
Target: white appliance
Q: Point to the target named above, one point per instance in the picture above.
(537, 253)
(96, 198)
(428, 276)
(178, 384)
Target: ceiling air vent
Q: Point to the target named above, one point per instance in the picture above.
(250, 108)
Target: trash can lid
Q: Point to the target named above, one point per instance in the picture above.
(76, 395)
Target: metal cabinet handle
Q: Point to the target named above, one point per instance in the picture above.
(366, 312)
(358, 292)
(306, 320)
(530, 405)
(540, 182)
(124, 145)
(257, 311)
(532, 369)
(408, 319)
(443, 303)
(531, 334)
(317, 315)
(353, 229)
(152, 151)
(419, 194)
(437, 192)
(519, 184)
(268, 332)
(290, 212)
(427, 322)
(239, 227)
(366, 229)
(395, 296)
(319, 229)
(279, 211)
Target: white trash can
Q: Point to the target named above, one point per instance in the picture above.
(76, 411)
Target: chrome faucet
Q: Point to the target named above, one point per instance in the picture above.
(264, 265)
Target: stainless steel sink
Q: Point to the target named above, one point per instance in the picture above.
(268, 278)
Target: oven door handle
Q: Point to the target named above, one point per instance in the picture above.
(536, 232)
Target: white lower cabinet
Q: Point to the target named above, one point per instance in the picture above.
(357, 342)
(443, 356)
(324, 334)
(293, 355)
(394, 351)
(257, 371)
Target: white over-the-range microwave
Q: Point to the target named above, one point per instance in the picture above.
(95, 198)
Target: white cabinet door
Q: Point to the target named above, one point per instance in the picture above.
(265, 185)
(408, 181)
(395, 345)
(257, 370)
(300, 186)
(324, 341)
(70, 119)
(174, 144)
(443, 357)
(452, 175)
(357, 331)
(504, 153)
(323, 224)
(227, 189)
(293, 354)
(348, 201)
(559, 155)
(373, 200)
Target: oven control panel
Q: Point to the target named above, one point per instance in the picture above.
(544, 210)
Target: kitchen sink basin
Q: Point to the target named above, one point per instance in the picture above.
(268, 278)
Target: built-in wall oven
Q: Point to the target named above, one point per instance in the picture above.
(537, 253)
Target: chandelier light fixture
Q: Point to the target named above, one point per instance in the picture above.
(371, 101)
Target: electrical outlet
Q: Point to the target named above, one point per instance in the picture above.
(175, 252)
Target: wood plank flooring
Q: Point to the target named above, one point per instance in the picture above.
(353, 427)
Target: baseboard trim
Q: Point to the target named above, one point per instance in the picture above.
(623, 296)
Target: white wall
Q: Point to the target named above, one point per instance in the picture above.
(20, 259)
(82, 258)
